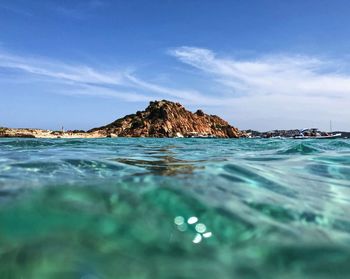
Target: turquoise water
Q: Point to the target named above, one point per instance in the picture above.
(174, 208)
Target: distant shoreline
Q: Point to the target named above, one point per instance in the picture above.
(161, 119)
(47, 134)
(80, 134)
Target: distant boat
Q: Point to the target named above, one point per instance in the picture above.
(201, 136)
(313, 133)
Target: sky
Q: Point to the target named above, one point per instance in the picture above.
(259, 64)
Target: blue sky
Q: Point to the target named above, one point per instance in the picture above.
(259, 64)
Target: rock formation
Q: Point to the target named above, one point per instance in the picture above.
(168, 119)
(160, 119)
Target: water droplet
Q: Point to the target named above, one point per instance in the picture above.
(201, 228)
(192, 220)
(179, 220)
(197, 238)
(182, 227)
(207, 234)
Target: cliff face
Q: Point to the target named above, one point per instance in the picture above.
(168, 119)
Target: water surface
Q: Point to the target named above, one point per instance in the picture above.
(174, 208)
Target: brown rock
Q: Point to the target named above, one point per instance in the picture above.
(168, 119)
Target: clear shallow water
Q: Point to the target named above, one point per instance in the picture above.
(174, 208)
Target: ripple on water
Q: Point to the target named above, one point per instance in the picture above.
(106, 208)
(92, 164)
(250, 176)
(300, 149)
(26, 143)
(41, 166)
(162, 165)
(330, 171)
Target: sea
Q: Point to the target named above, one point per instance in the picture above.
(146, 208)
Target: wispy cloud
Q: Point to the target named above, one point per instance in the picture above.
(279, 90)
(187, 95)
(279, 74)
(87, 80)
(79, 10)
(15, 10)
(59, 70)
(98, 91)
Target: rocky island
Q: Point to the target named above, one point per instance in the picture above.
(160, 119)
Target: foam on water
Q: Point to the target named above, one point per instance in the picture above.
(174, 208)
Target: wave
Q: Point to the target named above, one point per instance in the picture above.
(300, 149)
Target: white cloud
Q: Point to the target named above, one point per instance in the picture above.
(293, 75)
(91, 90)
(80, 78)
(283, 90)
(69, 79)
(59, 70)
(187, 96)
(79, 10)
(278, 91)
